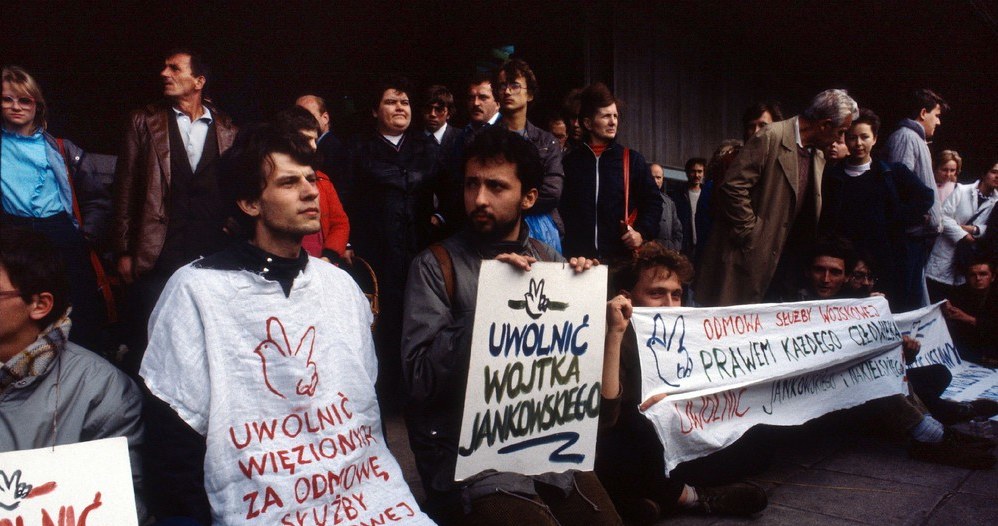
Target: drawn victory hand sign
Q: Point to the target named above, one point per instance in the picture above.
(288, 370)
(672, 359)
(535, 302)
(13, 491)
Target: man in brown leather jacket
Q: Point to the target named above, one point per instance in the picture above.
(167, 210)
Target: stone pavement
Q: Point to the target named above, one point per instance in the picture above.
(829, 478)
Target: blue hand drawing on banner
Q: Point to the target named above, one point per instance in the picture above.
(667, 350)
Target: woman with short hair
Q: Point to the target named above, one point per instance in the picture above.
(37, 191)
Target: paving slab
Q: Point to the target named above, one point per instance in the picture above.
(984, 483)
(965, 509)
(882, 460)
(857, 498)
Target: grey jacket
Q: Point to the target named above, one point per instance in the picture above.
(436, 348)
(907, 146)
(670, 228)
(92, 400)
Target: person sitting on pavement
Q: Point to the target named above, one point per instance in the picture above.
(928, 382)
(929, 439)
(629, 456)
(501, 179)
(972, 314)
(37, 362)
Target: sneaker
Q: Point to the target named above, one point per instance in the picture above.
(984, 408)
(952, 453)
(637, 511)
(736, 499)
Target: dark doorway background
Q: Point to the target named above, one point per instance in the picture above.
(97, 62)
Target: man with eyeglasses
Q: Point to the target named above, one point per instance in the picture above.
(515, 86)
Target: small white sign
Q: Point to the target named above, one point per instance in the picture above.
(75, 484)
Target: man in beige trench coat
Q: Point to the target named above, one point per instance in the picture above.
(769, 203)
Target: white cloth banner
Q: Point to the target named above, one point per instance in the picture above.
(533, 392)
(89, 482)
(928, 326)
(970, 381)
(727, 369)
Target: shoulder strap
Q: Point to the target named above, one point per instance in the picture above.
(446, 268)
(103, 282)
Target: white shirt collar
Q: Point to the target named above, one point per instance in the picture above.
(797, 133)
(206, 116)
(439, 134)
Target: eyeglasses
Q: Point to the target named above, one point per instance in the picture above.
(436, 109)
(514, 87)
(862, 276)
(26, 102)
(9, 293)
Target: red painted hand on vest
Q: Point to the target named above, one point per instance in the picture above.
(288, 370)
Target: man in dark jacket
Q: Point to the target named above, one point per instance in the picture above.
(515, 86)
(387, 193)
(627, 203)
(501, 179)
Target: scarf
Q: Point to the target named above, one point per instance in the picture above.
(35, 359)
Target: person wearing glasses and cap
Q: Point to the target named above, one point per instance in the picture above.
(43, 190)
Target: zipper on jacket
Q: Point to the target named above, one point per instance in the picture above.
(596, 206)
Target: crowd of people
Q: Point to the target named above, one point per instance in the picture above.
(213, 238)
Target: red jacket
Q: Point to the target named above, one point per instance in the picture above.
(335, 226)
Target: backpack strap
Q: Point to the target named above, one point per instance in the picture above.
(446, 268)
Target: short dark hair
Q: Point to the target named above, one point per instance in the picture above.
(866, 116)
(390, 82)
(439, 94)
(650, 255)
(244, 167)
(34, 266)
(513, 68)
(693, 162)
(756, 110)
(293, 120)
(199, 66)
(496, 144)
(980, 259)
(924, 99)
(593, 98)
(834, 248)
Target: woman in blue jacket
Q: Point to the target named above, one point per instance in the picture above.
(37, 192)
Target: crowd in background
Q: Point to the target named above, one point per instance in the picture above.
(826, 204)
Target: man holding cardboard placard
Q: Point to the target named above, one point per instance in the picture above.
(502, 173)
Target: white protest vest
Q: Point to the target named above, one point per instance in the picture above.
(283, 389)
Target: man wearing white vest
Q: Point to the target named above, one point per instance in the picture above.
(265, 354)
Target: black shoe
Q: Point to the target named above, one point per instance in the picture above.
(984, 408)
(968, 440)
(637, 511)
(736, 499)
(952, 453)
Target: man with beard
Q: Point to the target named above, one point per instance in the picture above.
(502, 173)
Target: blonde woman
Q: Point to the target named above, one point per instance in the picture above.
(37, 191)
(948, 169)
